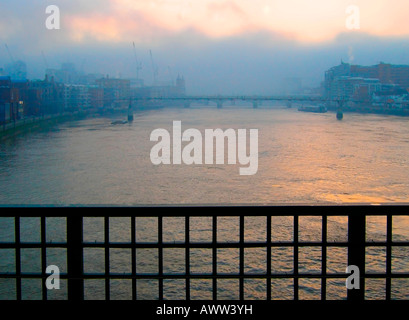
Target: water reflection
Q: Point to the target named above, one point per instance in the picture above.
(303, 158)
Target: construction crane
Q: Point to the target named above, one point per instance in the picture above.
(138, 65)
(8, 50)
(154, 68)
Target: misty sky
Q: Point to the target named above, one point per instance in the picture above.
(220, 46)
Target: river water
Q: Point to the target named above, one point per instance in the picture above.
(304, 158)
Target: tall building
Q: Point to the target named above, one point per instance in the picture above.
(6, 94)
(349, 76)
(76, 97)
(96, 96)
(13, 95)
(117, 92)
(343, 70)
(386, 73)
(347, 88)
(45, 97)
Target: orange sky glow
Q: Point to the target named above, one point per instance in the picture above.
(304, 21)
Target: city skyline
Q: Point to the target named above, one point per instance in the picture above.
(226, 47)
(299, 108)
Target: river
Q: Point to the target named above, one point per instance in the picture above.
(303, 158)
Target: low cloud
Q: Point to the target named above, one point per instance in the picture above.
(219, 46)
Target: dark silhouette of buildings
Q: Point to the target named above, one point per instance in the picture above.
(65, 90)
(346, 80)
(380, 88)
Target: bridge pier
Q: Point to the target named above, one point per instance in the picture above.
(340, 113)
(219, 104)
(186, 104)
(130, 112)
(255, 104)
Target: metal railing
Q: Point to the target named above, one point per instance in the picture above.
(356, 246)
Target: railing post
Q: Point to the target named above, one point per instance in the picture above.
(160, 256)
(388, 256)
(187, 256)
(241, 261)
(356, 252)
(214, 254)
(75, 258)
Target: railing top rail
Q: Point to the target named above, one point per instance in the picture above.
(207, 210)
(75, 244)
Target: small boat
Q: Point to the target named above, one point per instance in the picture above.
(119, 122)
(317, 109)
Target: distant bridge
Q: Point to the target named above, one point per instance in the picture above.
(337, 104)
(255, 99)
